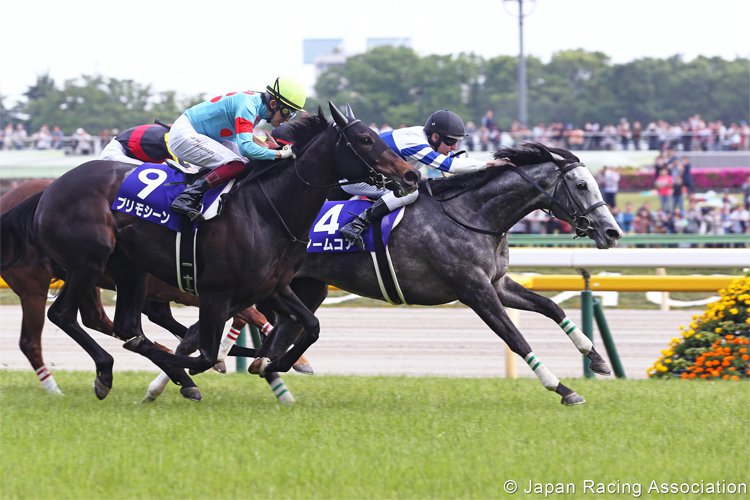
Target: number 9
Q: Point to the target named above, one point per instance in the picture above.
(151, 184)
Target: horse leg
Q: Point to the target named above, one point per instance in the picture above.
(131, 295)
(286, 302)
(481, 297)
(514, 295)
(31, 288)
(93, 314)
(160, 314)
(64, 312)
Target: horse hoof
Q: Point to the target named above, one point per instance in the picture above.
(258, 367)
(303, 368)
(286, 399)
(572, 399)
(150, 397)
(600, 368)
(220, 367)
(101, 389)
(191, 393)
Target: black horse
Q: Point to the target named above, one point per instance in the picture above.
(247, 254)
(452, 245)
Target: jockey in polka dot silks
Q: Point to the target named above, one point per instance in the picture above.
(218, 134)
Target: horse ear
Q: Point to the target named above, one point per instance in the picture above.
(349, 113)
(338, 117)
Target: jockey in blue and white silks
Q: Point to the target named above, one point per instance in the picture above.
(218, 134)
(430, 146)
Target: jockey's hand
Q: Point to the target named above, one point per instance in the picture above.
(285, 152)
(502, 162)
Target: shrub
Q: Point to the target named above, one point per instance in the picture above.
(715, 345)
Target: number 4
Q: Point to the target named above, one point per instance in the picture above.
(329, 222)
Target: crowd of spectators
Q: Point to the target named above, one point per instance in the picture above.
(693, 134)
(79, 142)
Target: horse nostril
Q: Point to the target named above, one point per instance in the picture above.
(412, 176)
(614, 234)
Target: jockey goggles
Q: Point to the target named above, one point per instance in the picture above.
(448, 141)
(287, 113)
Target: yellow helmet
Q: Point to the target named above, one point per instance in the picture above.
(289, 92)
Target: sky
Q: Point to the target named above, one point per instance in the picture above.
(195, 47)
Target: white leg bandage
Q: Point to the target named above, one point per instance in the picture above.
(549, 381)
(581, 341)
(227, 342)
(47, 380)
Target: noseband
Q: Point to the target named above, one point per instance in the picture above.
(577, 213)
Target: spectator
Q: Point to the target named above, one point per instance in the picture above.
(687, 175)
(746, 193)
(488, 120)
(694, 217)
(81, 142)
(471, 132)
(43, 138)
(57, 138)
(635, 133)
(625, 218)
(623, 130)
(19, 137)
(7, 143)
(663, 186)
(677, 173)
(609, 180)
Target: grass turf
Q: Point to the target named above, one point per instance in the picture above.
(362, 437)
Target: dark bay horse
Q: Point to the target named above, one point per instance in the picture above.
(247, 254)
(452, 245)
(31, 282)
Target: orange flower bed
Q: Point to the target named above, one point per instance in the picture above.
(715, 345)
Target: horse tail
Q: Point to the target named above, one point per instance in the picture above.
(16, 233)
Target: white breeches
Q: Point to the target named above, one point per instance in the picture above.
(390, 199)
(190, 146)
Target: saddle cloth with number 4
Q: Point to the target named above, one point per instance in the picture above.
(326, 238)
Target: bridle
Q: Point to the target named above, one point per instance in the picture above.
(577, 214)
(374, 177)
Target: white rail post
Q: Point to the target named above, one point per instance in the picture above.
(661, 271)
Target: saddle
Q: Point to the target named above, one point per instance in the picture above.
(326, 238)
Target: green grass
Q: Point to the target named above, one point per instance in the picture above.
(362, 437)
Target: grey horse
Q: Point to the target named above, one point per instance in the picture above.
(452, 245)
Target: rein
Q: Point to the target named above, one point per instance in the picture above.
(375, 178)
(581, 222)
(577, 215)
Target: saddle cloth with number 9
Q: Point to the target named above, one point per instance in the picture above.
(147, 192)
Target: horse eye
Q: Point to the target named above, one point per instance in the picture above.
(367, 140)
(581, 185)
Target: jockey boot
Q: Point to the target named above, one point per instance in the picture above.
(189, 201)
(353, 231)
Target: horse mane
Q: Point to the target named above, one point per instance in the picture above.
(299, 133)
(302, 131)
(527, 153)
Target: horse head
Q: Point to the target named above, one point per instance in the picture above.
(364, 156)
(579, 201)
